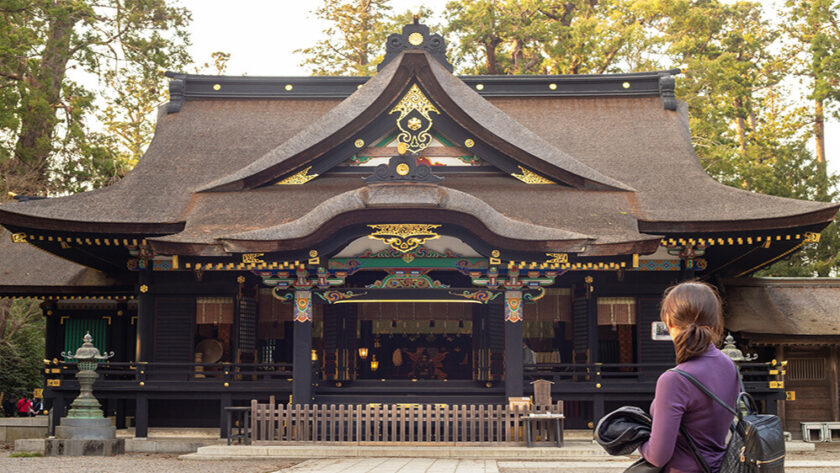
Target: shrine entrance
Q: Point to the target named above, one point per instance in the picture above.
(415, 340)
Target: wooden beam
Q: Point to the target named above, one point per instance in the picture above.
(436, 152)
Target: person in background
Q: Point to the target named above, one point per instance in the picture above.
(692, 311)
(37, 406)
(528, 355)
(9, 406)
(24, 407)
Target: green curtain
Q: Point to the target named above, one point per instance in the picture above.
(75, 330)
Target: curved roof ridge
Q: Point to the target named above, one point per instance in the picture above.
(507, 128)
(403, 195)
(322, 128)
(486, 115)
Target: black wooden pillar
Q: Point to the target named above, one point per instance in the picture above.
(513, 344)
(145, 334)
(117, 339)
(141, 416)
(302, 357)
(56, 411)
(223, 418)
(592, 321)
(51, 335)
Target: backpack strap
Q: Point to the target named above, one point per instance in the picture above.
(695, 452)
(706, 390)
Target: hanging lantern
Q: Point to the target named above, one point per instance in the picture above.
(363, 352)
(314, 355)
(374, 365)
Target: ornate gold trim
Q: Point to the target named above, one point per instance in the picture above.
(557, 258)
(301, 177)
(18, 237)
(530, 177)
(404, 237)
(413, 132)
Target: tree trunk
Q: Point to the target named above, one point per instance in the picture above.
(819, 130)
(741, 125)
(27, 173)
(819, 138)
(490, 50)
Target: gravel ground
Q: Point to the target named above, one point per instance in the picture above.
(132, 463)
(159, 463)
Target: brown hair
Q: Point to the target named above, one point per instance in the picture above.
(695, 309)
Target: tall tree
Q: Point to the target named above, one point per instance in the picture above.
(546, 36)
(21, 347)
(48, 144)
(354, 37)
(354, 42)
(814, 27)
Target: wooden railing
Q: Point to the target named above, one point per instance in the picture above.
(757, 377)
(160, 372)
(394, 423)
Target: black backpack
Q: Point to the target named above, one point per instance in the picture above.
(757, 444)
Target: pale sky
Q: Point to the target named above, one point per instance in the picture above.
(261, 35)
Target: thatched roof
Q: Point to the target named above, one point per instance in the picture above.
(630, 171)
(783, 306)
(26, 269)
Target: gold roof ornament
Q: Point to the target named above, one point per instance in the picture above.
(530, 177)
(414, 121)
(404, 237)
(301, 177)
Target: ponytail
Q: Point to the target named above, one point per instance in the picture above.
(695, 309)
(693, 341)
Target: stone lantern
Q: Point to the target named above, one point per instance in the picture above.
(734, 353)
(85, 406)
(85, 430)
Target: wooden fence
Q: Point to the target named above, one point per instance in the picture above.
(396, 423)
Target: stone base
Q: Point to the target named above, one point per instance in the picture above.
(84, 448)
(85, 429)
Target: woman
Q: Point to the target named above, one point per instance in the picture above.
(692, 311)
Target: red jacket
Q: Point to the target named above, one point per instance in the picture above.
(24, 405)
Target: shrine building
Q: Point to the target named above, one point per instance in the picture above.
(411, 237)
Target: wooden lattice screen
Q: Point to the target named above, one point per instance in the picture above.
(395, 423)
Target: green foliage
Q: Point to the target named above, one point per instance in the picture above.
(46, 115)
(21, 347)
(750, 129)
(355, 37)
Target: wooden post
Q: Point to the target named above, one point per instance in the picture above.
(145, 346)
(145, 317)
(51, 332)
(302, 358)
(592, 324)
(513, 344)
(780, 405)
(141, 417)
(224, 402)
(117, 337)
(56, 411)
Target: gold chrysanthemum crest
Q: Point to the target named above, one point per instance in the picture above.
(414, 121)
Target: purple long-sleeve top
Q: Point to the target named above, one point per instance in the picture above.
(678, 401)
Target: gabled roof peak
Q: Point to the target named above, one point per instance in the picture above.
(367, 112)
(415, 36)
